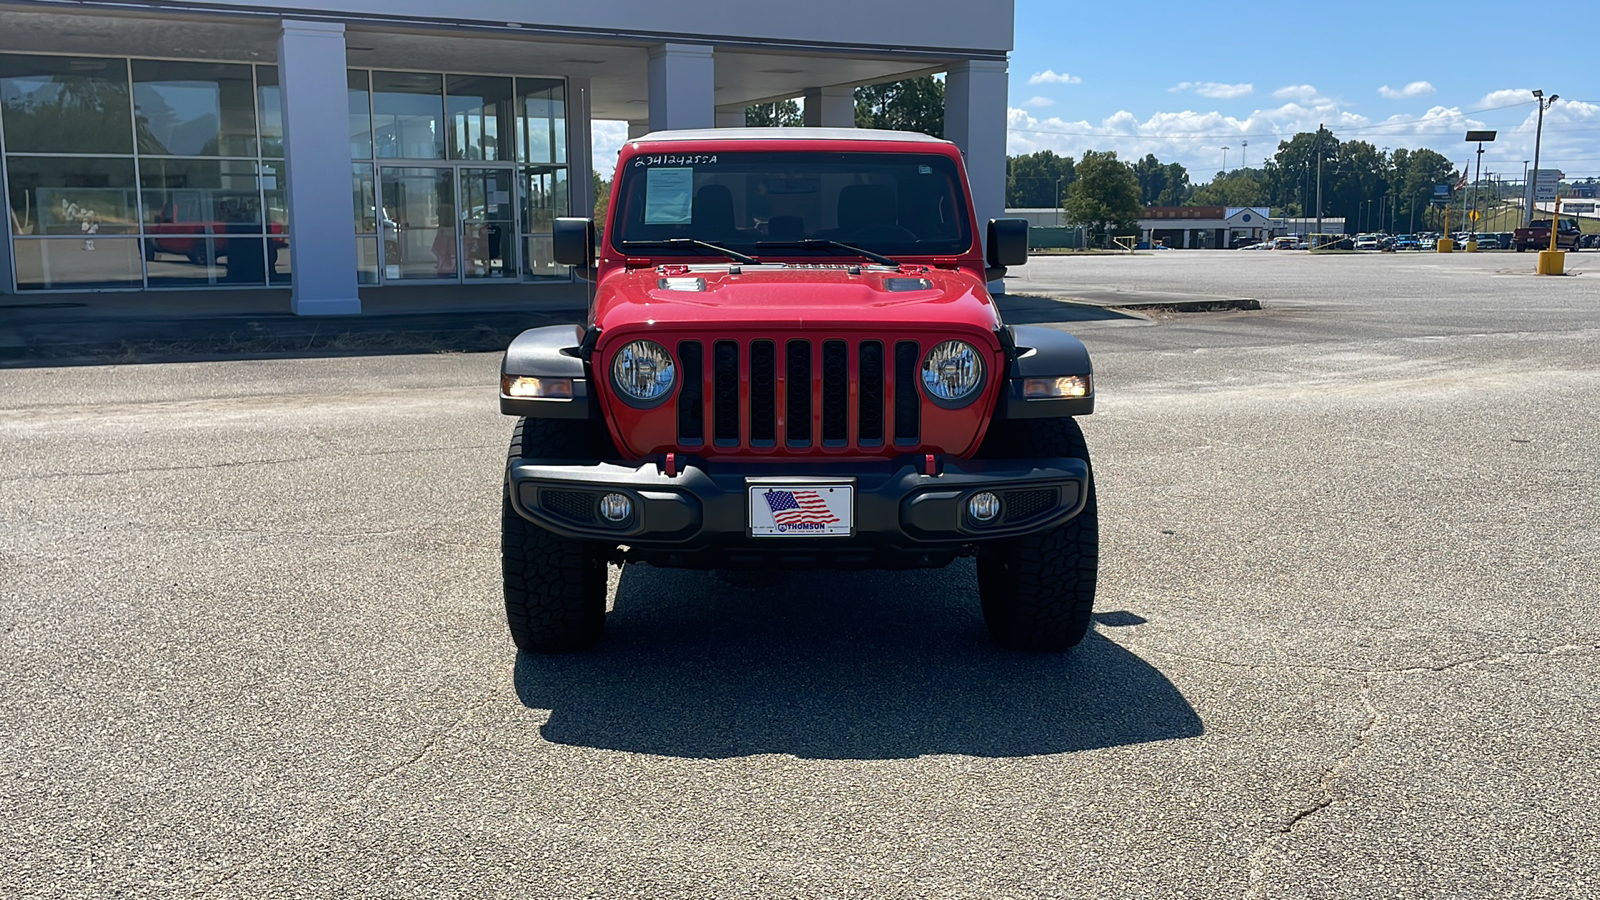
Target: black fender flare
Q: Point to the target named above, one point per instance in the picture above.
(1040, 352)
(554, 351)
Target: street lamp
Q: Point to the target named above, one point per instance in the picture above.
(1225, 149)
(1481, 137)
(1537, 136)
(1058, 200)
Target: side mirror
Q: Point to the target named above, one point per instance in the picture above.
(572, 240)
(1008, 242)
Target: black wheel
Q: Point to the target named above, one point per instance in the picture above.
(1522, 248)
(1037, 591)
(555, 589)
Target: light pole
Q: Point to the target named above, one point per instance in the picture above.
(1538, 135)
(1058, 200)
(1477, 180)
(1225, 149)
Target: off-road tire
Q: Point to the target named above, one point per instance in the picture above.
(1037, 591)
(555, 589)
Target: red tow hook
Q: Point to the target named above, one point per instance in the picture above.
(669, 465)
(930, 465)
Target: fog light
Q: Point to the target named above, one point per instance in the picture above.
(984, 507)
(616, 508)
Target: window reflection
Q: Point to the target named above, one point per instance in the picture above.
(542, 122)
(60, 195)
(194, 108)
(76, 263)
(63, 104)
(479, 110)
(200, 196)
(407, 115)
(360, 115)
(269, 100)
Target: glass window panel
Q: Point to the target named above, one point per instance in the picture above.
(62, 104)
(421, 201)
(488, 224)
(194, 108)
(541, 120)
(367, 260)
(77, 263)
(360, 116)
(278, 271)
(408, 115)
(480, 112)
(275, 194)
(57, 195)
(269, 100)
(544, 197)
(197, 196)
(364, 198)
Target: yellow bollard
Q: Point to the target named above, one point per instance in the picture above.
(1552, 262)
(1445, 245)
(1471, 246)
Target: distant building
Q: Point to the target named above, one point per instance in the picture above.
(1207, 227)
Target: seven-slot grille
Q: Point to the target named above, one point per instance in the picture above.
(799, 393)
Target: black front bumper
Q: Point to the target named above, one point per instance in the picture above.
(700, 516)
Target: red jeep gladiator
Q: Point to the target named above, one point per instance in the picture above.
(792, 360)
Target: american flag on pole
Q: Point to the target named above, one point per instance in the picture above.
(799, 508)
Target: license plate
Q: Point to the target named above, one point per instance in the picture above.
(802, 510)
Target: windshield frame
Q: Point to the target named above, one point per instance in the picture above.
(945, 207)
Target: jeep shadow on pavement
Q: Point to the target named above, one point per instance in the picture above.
(823, 665)
(792, 361)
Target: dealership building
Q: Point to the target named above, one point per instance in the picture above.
(340, 149)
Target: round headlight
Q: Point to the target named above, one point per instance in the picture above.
(643, 370)
(952, 371)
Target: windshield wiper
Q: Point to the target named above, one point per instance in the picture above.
(697, 244)
(827, 244)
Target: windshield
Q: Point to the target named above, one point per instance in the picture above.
(891, 203)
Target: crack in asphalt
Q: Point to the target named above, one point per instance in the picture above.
(1327, 782)
(304, 832)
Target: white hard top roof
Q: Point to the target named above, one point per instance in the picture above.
(785, 134)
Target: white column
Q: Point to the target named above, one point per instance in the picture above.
(638, 129)
(975, 119)
(730, 118)
(682, 87)
(830, 107)
(316, 149)
(580, 149)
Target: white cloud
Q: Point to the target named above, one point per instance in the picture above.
(606, 137)
(1051, 77)
(1039, 102)
(1414, 89)
(1216, 90)
(1304, 93)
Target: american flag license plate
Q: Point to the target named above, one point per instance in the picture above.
(811, 510)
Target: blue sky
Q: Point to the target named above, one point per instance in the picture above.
(1184, 80)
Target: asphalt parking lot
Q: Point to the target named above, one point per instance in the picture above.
(251, 636)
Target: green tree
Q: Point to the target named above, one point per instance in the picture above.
(1239, 187)
(783, 113)
(1415, 174)
(1038, 180)
(1161, 184)
(916, 104)
(1104, 197)
(602, 196)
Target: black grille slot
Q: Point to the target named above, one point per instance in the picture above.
(797, 393)
(835, 393)
(869, 421)
(763, 393)
(725, 392)
(907, 398)
(575, 506)
(692, 398)
(1022, 505)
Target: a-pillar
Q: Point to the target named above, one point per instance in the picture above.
(682, 87)
(316, 151)
(580, 151)
(830, 107)
(975, 119)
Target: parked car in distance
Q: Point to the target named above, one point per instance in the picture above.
(1368, 242)
(1537, 236)
(1407, 242)
(1489, 242)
